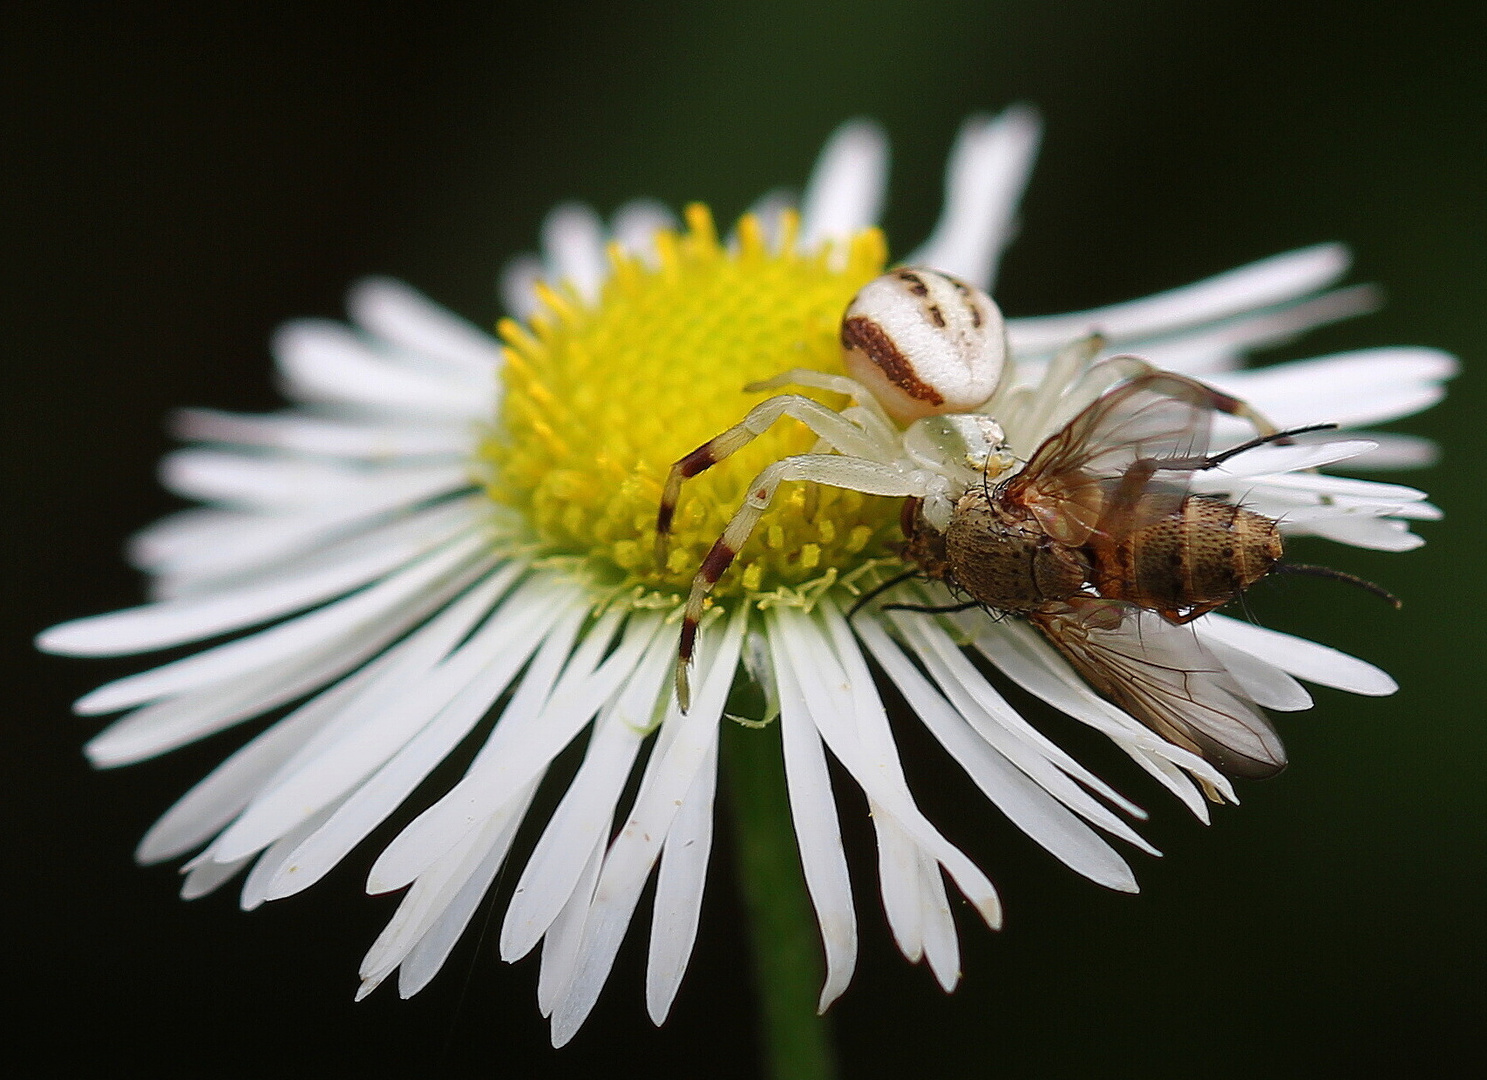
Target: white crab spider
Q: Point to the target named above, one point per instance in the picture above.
(924, 350)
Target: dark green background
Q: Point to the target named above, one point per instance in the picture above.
(180, 182)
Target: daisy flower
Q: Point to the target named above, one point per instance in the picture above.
(448, 541)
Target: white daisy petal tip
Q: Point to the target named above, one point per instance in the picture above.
(845, 192)
(573, 247)
(989, 167)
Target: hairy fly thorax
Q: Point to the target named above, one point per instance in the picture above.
(1002, 559)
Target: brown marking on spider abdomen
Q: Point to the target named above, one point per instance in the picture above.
(914, 281)
(971, 306)
(1198, 558)
(867, 337)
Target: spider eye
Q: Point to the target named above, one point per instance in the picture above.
(924, 343)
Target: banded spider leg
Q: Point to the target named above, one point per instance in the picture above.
(869, 459)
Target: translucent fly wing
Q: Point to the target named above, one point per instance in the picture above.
(1117, 466)
(1164, 677)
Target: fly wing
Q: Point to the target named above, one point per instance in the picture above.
(1117, 465)
(1163, 676)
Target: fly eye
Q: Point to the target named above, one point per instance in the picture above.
(924, 343)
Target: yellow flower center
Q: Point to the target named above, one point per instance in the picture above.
(601, 398)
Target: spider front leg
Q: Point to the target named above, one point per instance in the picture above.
(828, 425)
(853, 473)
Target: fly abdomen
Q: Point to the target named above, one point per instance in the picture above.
(1200, 557)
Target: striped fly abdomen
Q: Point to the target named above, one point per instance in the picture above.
(1192, 561)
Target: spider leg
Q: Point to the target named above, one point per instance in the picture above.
(853, 473)
(827, 424)
(818, 380)
(822, 380)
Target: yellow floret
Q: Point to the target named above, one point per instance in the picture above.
(601, 398)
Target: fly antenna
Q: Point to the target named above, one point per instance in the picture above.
(883, 587)
(1309, 570)
(1279, 438)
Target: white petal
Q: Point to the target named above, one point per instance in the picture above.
(326, 362)
(1008, 722)
(1264, 461)
(573, 248)
(898, 879)
(1396, 451)
(206, 877)
(561, 944)
(817, 832)
(438, 939)
(1342, 487)
(517, 750)
(518, 285)
(279, 483)
(1025, 802)
(1372, 533)
(200, 546)
(407, 732)
(770, 209)
(178, 720)
(271, 861)
(286, 640)
(988, 171)
(1305, 659)
(941, 947)
(845, 191)
(861, 738)
(1030, 662)
(1367, 386)
(357, 440)
(636, 223)
(217, 798)
(635, 848)
(1275, 280)
(586, 813)
(679, 888)
(404, 317)
(1265, 683)
(1298, 512)
(429, 896)
(174, 622)
(371, 803)
(1207, 350)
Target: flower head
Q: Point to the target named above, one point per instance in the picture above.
(450, 539)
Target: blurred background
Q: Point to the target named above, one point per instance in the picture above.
(183, 179)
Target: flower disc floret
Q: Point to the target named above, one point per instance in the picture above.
(600, 399)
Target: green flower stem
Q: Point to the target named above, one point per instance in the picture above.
(788, 966)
